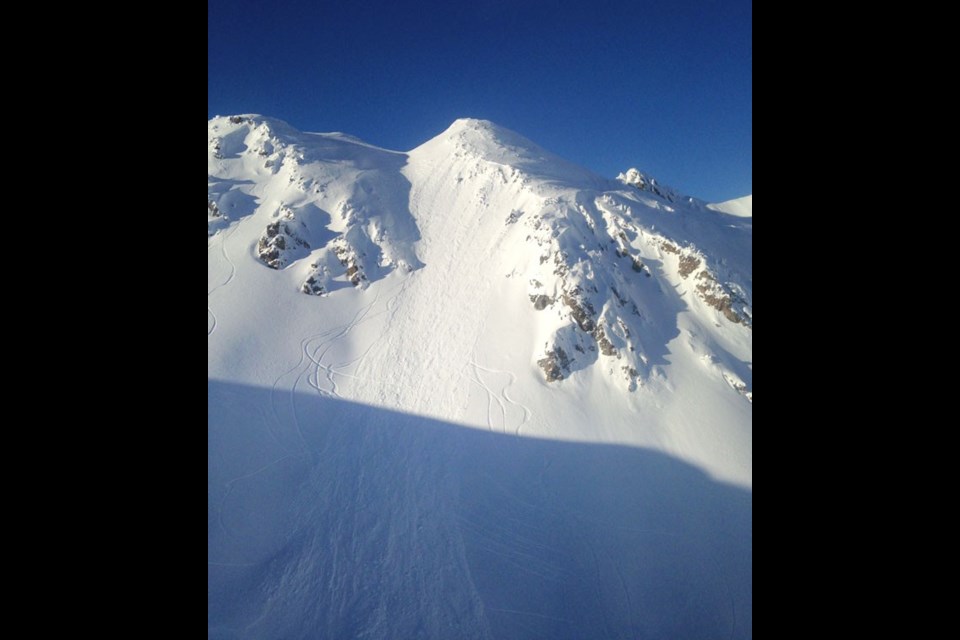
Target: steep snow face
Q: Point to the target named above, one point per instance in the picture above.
(477, 284)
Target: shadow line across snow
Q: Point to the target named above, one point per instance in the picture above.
(331, 519)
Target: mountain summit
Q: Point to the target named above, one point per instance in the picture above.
(476, 286)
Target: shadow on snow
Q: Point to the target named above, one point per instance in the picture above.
(330, 519)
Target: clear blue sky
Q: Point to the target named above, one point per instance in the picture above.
(663, 86)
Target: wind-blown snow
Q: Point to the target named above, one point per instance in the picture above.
(471, 390)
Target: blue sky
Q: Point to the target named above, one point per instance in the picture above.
(663, 86)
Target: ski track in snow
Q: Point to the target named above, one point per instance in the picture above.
(327, 344)
(490, 400)
(324, 347)
(226, 256)
(233, 270)
(502, 398)
(313, 353)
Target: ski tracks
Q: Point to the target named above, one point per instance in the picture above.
(226, 256)
(233, 271)
(313, 366)
(513, 415)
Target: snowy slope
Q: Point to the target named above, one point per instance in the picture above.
(471, 390)
(740, 207)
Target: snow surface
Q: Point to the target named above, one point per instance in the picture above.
(397, 447)
(742, 207)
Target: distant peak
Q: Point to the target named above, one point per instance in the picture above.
(635, 178)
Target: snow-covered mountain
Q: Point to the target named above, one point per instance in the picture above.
(471, 390)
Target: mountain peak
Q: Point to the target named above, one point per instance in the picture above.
(472, 123)
(484, 134)
(477, 139)
(644, 182)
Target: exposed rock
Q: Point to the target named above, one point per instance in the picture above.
(669, 248)
(311, 287)
(268, 254)
(349, 259)
(273, 244)
(645, 183)
(606, 347)
(720, 303)
(554, 364)
(687, 265)
(631, 375)
(580, 312)
(706, 275)
(619, 297)
(541, 302)
(560, 260)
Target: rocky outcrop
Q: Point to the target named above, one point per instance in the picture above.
(645, 183)
(724, 297)
(554, 364)
(280, 244)
(581, 311)
(348, 258)
(541, 302)
(687, 265)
